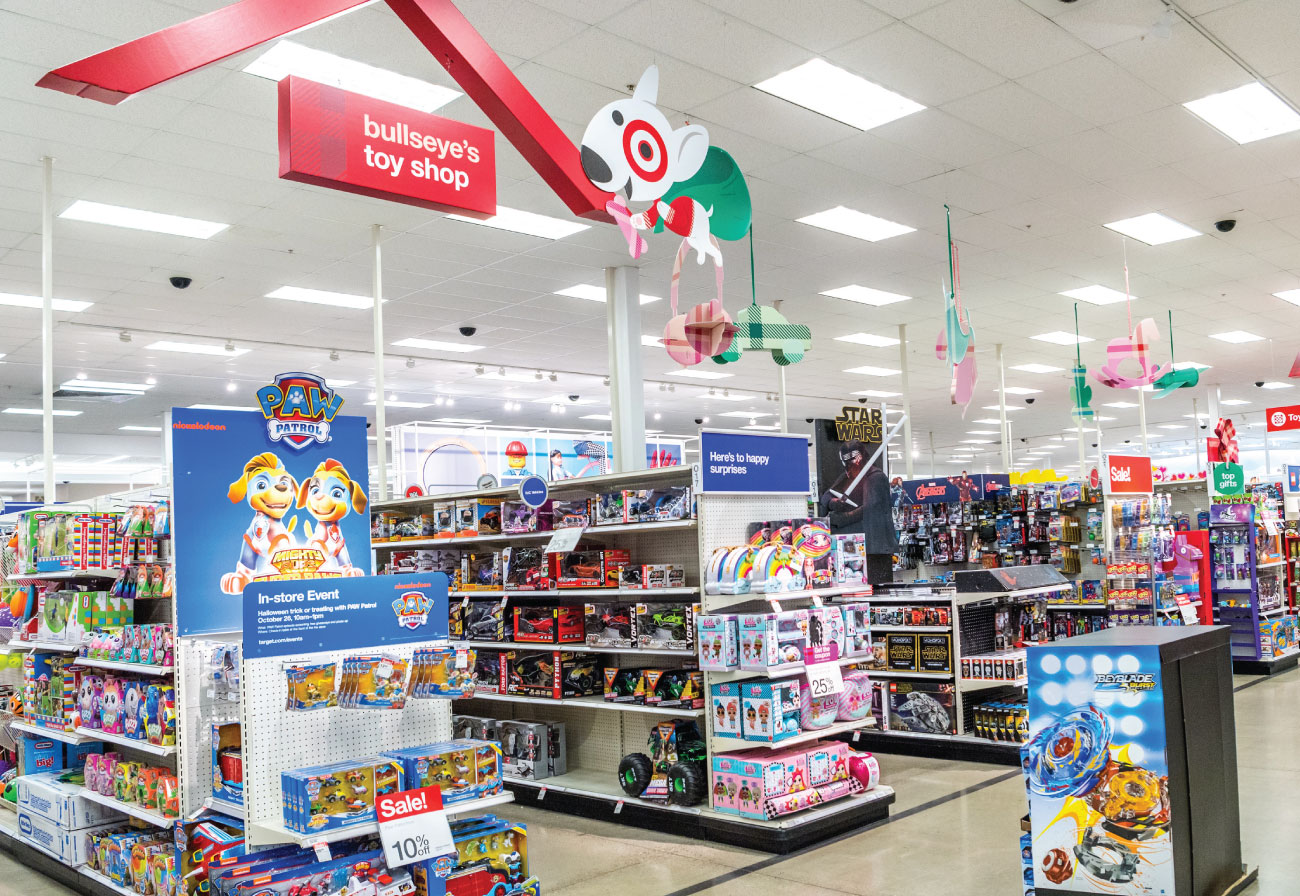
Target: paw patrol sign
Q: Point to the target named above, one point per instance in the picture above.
(412, 609)
(298, 408)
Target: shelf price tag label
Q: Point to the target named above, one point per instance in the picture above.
(564, 540)
(322, 851)
(824, 679)
(413, 826)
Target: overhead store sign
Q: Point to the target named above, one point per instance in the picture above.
(1127, 474)
(741, 463)
(1283, 419)
(1227, 479)
(346, 141)
(954, 489)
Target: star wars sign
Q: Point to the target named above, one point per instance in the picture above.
(856, 423)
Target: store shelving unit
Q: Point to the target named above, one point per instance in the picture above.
(157, 819)
(591, 703)
(268, 832)
(1233, 536)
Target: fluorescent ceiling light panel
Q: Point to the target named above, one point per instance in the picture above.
(468, 421)
(1276, 386)
(527, 223)
(870, 339)
(220, 407)
(747, 415)
(980, 432)
(194, 348)
(140, 428)
(1236, 337)
(651, 341)
(877, 393)
(734, 396)
(1060, 337)
(1037, 368)
(868, 370)
(1120, 404)
(1190, 365)
(1096, 295)
(17, 301)
(988, 421)
(865, 295)
(1171, 426)
(289, 58)
(434, 345)
(1289, 295)
(414, 405)
(767, 426)
(36, 412)
(995, 407)
(699, 374)
(1233, 402)
(1105, 419)
(1247, 113)
(508, 377)
(1021, 390)
(860, 225)
(595, 417)
(341, 384)
(321, 297)
(1153, 228)
(137, 219)
(596, 294)
(563, 400)
(102, 386)
(977, 441)
(831, 91)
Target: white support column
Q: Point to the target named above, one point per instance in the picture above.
(626, 387)
(932, 473)
(381, 426)
(1083, 456)
(907, 399)
(1142, 419)
(1268, 461)
(47, 325)
(1002, 405)
(783, 411)
(1196, 436)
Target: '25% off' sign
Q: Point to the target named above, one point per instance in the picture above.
(413, 826)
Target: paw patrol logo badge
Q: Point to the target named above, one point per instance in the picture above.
(298, 408)
(412, 609)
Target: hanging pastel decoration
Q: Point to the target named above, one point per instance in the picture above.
(956, 342)
(695, 190)
(1222, 446)
(761, 327)
(1080, 392)
(1175, 378)
(1135, 347)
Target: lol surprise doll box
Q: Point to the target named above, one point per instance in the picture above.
(769, 710)
(724, 703)
(734, 790)
(719, 642)
(772, 639)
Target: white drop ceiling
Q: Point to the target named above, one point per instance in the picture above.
(1044, 122)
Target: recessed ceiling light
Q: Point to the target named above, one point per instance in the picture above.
(1276, 386)
(289, 58)
(869, 370)
(727, 395)
(980, 432)
(527, 223)
(856, 224)
(1190, 365)
(1247, 113)
(321, 297)
(137, 219)
(877, 393)
(766, 426)
(865, 295)
(36, 412)
(468, 421)
(596, 294)
(868, 339)
(103, 386)
(434, 345)
(1153, 228)
(1236, 336)
(1037, 368)
(595, 417)
(1105, 419)
(651, 341)
(746, 414)
(976, 441)
(831, 91)
(17, 301)
(1021, 390)
(988, 421)
(1171, 426)
(195, 348)
(1233, 402)
(1289, 295)
(1120, 404)
(699, 374)
(1096, 295)
(140, 428)
(996, 407)
(220, 407)
(414, 405)
(518, 376)
(1060, 337)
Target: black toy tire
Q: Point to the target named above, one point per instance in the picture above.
(634, 773)
(686, 784)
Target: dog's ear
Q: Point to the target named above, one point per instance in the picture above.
(692, 146)
(302, 494)
(358, 497)
(239, 487)
(647, 89)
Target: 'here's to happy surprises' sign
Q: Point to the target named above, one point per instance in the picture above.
(333, 138)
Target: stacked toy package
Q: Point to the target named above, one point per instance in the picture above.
(338, 794)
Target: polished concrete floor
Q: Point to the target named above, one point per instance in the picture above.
(954, 830)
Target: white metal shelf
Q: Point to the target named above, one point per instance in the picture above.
(142, 745)
(65, 574)
(68, 737)
(717, 744)
(580, 592)
(157, 819)
(1273, 565)
(719, 601)
(651, 478)
(54, 646)
(593, 531)
(587, 703)
(274, 831)
(573, 648)
(143, 668)
(980, 684)
(910, 628)
(104, 881)
(785, 670)
(926, 676)
(225, 807)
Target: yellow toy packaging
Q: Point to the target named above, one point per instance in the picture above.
(373, 682)
(311, 687)
(442, 672)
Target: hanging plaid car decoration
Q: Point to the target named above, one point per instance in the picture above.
(760, 327)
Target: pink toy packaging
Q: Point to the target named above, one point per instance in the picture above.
(857, 629)
(736, 784)
(111, 706)
(770, 709)
(854, 702)
(90, 692)
(724, 702)
(772, 639)
(719, 642)
(826, 630)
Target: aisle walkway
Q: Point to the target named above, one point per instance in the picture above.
(954, 830)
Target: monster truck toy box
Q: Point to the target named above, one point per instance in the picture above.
(674, 688)
(664, 626)
(552, 674)
(922, 706)
(549, 625)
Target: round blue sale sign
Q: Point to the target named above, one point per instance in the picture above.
(533, 491)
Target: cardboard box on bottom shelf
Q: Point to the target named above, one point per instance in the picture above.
(67, 844)
(532, 750)
(59, 802)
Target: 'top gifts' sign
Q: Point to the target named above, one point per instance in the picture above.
(332, 138)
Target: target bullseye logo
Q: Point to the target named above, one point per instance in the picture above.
(1278, 418)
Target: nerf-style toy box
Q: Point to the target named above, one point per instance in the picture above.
(554, 674)
(549, 625)
(610, 625)
(464, 769)
(338, 794)
(718, 637)
(666, 626)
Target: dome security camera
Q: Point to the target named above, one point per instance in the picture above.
(1029, 401)
(1226, 225)
(1259, 384)
(180, 282)
(862, 401)
(699, 420)
(1128, 441)
(468, 331)
(574, 398)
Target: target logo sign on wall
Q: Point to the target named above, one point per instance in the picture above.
(1283, 419)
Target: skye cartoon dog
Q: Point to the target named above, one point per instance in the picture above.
(270, 490)
(329, 495)
(630, 147)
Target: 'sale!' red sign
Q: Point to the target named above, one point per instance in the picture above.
(332, 138)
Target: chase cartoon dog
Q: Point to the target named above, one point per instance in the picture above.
(270, 491)
(330, 495)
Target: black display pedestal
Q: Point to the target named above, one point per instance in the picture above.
(1201, 747)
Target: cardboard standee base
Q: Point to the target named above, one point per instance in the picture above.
(1248, 877)
(1266, 666)
(937, 746)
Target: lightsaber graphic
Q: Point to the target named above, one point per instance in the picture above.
(867, 466)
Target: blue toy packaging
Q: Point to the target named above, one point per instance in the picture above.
(769, 710)
(338, 794)
(464, 769)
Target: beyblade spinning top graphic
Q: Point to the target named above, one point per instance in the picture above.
(1057, 866)
(1105, 858)
(1133, 801)
(1068, 757)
